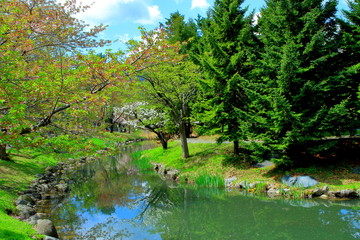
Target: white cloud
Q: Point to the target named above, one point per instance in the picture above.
(154, 16)
(199, 4)
(112, 11)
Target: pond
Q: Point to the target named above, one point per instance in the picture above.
(112, 199)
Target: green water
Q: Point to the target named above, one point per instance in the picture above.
(113, 200)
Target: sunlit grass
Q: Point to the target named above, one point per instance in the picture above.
(207, 180)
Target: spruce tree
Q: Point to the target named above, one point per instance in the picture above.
(228, 47)
(302, 72)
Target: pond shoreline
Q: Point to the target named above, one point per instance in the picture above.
(52, 186)
(269, 189)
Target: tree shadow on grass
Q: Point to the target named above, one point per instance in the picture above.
(6, 234)
(333, 172)
(237, 162)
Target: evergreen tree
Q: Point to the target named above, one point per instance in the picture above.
(228, 47)
(301, 69)
(351, 49)
(179, 30)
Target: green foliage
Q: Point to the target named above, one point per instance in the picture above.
(226, 53)
(207, 180)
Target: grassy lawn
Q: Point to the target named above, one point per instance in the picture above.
(215, 160)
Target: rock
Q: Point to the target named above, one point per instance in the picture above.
(347, 194)
(319, 192)
(52, 169)
(62, 187)
(263, 164)
(252, 185)
(288, 180)
(50, 238)
(25, 200)
(229, 182)
(25, 211)
(172, 174)
(46, 227)
(299, 181)
(273, 192)
(324, 196)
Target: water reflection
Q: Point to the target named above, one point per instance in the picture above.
(117, 202)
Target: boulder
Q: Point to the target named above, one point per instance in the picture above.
(172, 174)
(229, 182)
(346, 194)
(46, 227)
(25, 211)
(319, 192)
(25, 200)
(299, 181)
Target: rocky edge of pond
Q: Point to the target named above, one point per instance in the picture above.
(273, 190)
(52, 186)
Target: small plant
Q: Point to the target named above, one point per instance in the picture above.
(207, 180)
(261, 187)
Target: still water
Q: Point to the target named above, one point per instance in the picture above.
(111, 199)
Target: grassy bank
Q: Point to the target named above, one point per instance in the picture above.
(15, 176)
(215, 160)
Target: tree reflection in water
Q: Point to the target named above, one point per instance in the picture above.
(117, 202)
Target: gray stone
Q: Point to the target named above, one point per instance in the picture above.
(288, 180)
(319, 192)
(63, 187)
(263, 164)
(25, 211)
(25, 200)
(346, 194)
(46, 227)
(172, 174)
(50, 238)
(273, 192)
(229, 182)
(299, 181)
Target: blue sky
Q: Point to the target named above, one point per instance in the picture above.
(125, 16)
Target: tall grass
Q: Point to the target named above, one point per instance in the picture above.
(207, 180)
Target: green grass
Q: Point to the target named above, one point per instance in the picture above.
(207, 180)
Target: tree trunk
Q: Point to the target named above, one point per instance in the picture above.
(188, 129)
(236, 148)
(3, 154)
(184, 144)
(162, 139)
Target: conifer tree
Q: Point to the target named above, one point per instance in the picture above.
(228, 46)
(301, 70)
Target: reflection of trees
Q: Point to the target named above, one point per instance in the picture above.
(203, 215)
(167, 212)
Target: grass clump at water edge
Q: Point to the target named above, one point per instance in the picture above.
(207, 180)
